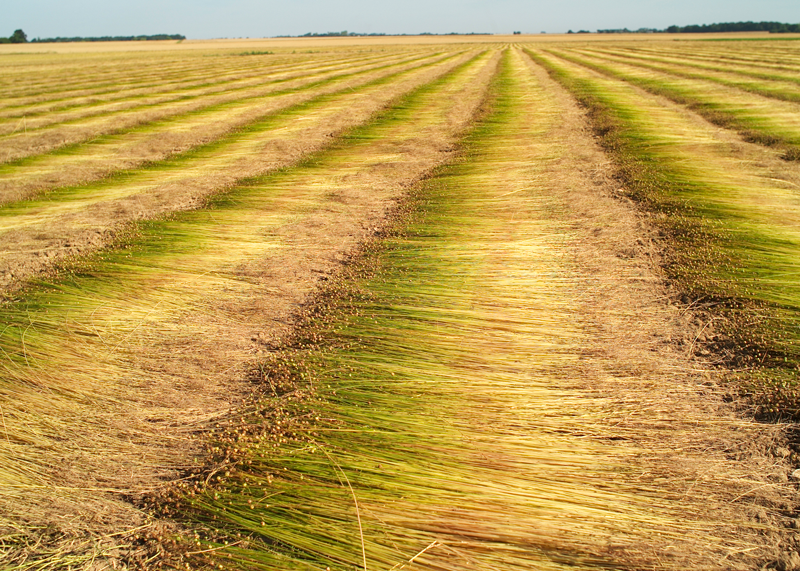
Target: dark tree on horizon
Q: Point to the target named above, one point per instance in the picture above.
(18, 37)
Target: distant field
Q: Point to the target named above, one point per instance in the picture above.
(432, 302)
(350, 42)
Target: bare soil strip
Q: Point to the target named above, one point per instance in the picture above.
(143, 365)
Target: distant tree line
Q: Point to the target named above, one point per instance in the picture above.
(346, 34)
(772, 27)
(18, 37)
(342, 34)
(112, 38)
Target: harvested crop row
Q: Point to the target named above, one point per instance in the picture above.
(108, 371)
(199, 123)
(87, 75)
(84, 73)
(730, 210)
(232, 74)
(36, 116)
(753, 60)
(66, 136)
(462, 409)
(786, 89)
(85, 90)
(79, 219)
(717, 65)
(759, 119)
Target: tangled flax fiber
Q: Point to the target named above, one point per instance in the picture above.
(123, 143)
(730, 210)
(488, 395)
(77, 220)
(111, 370)
(503, 389)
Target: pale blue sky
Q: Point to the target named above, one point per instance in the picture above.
(199, 19)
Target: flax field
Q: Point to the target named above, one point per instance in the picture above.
(503, 304)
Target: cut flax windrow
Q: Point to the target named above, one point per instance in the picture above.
(487, 397)
(163, 72)
(109, 372)
(786, 88)
(98, 73)
(79, 219)
(30, 137)
(757, 58)
(128, 140)
(718, 64)
(759, 119)
(66, 104)
(134, 92)
(731, 213)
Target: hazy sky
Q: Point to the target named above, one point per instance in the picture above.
(199, 19)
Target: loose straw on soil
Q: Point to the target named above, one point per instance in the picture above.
(154, 135)
(760, 120)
